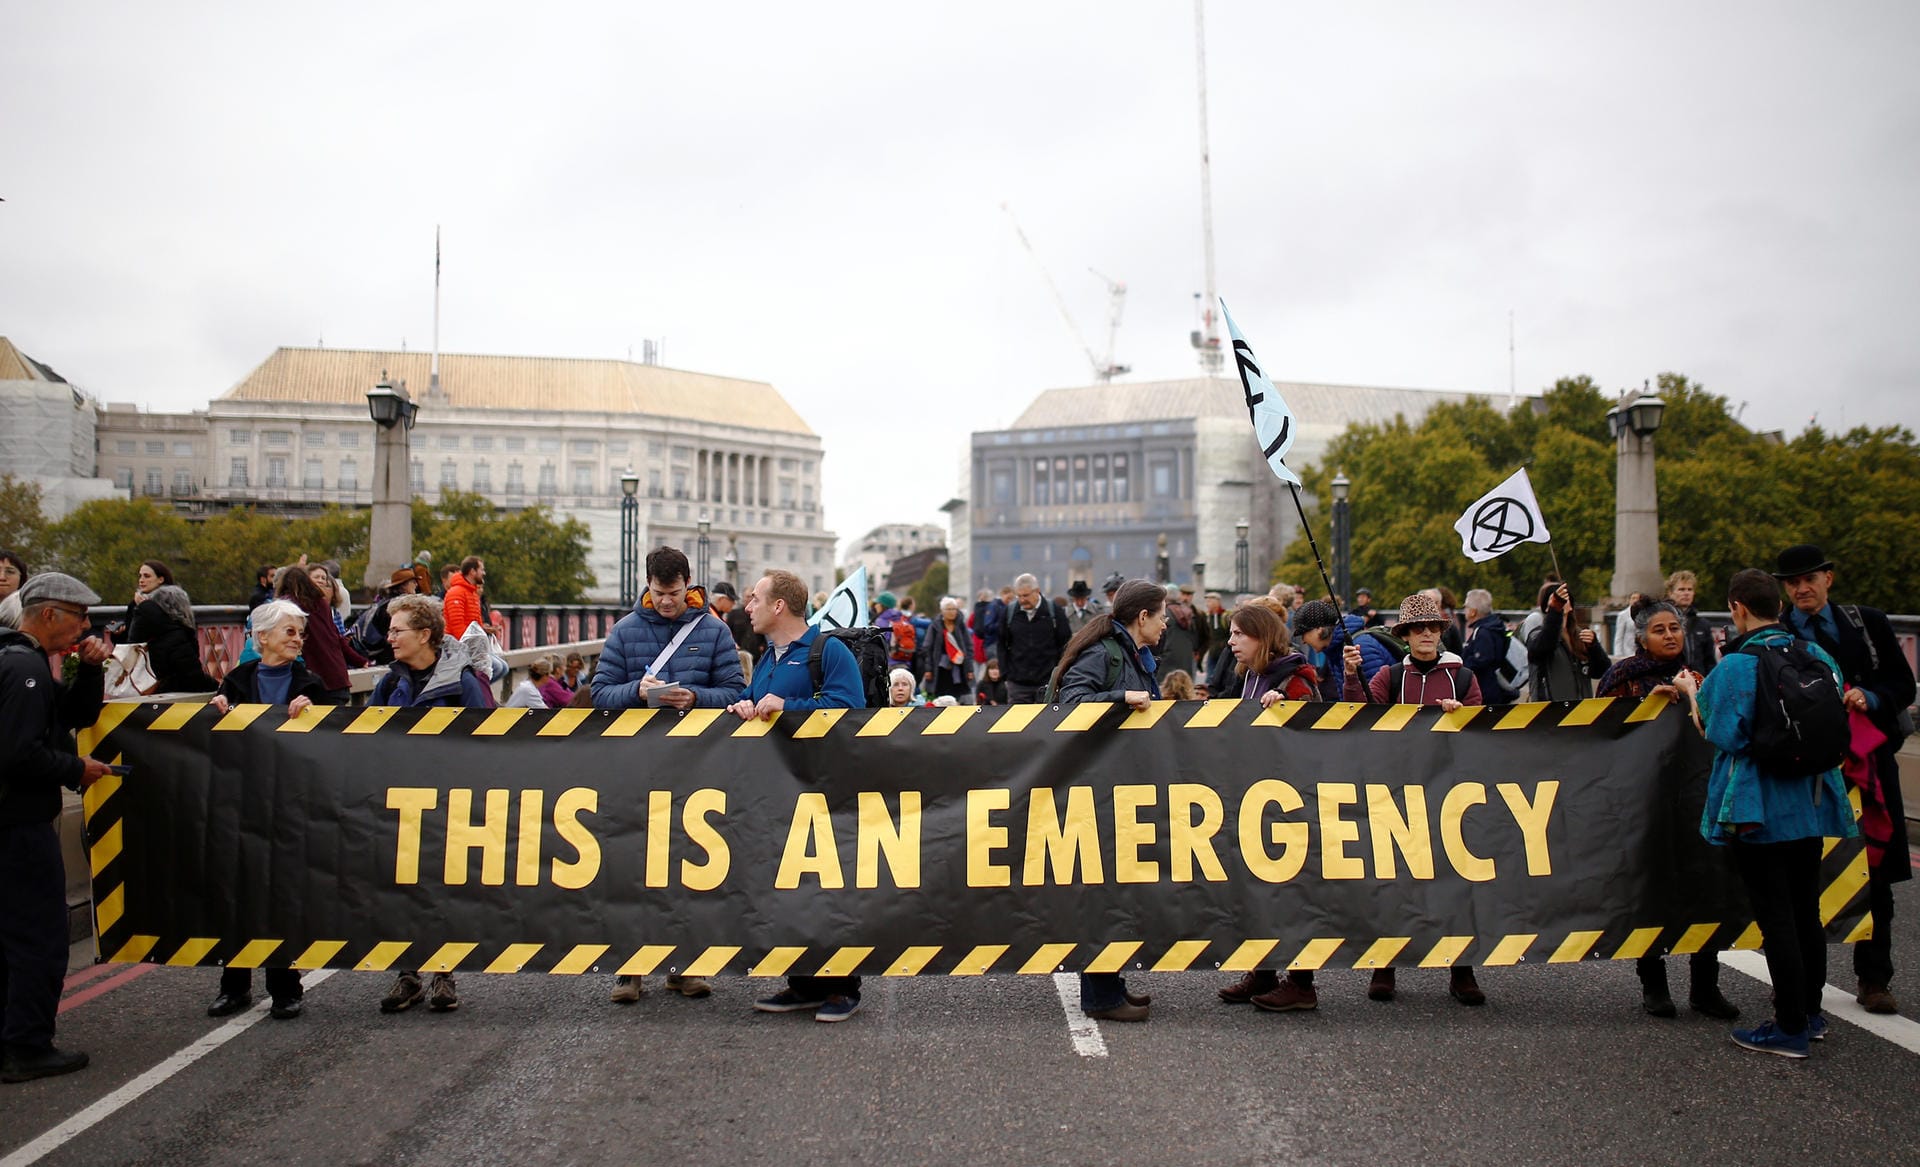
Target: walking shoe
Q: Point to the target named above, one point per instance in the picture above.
(1657, 1003)
(1286, 997)
(1464, 989)
(405, 993)
(227, 1004)
(1765, 1038)
(689, 986)
(286, 1008)
(1124, 1011)
(19, 1066)
(1380, 988)
(1709, 1003)
(627, 990)
(1134, 998)
(1876, 999)
(1260, 980)
(1816, 1027)
(788, 1001)
(443, 997)
(837, 1008)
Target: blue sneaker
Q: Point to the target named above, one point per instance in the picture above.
(1816, 1027)
(1764, 1038)
(837, 1008)
(788, 1001)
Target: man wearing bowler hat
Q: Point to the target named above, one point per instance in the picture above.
(1081, 606)
(1880, 685)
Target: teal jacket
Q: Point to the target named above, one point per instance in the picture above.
(1738, 791)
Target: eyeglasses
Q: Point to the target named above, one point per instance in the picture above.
(402, 628)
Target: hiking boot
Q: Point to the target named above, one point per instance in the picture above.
(405, 993)
(22, 1066)
(1124, 1011)
(788, 1001)
(1710, 1003)
(443, 997)
(1658, 1003)
(1876, 999)
(1260, 980)
(837, 1008)
(1464, 989)
(1380, 988)
(627, 990)
(1766, 1038)
(689, 986)
(1286, 997)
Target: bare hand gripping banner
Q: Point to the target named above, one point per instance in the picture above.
(957, 841)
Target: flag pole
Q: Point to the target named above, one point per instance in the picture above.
(1318, 562)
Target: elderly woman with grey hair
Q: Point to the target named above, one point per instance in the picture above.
(1485, 649)
(946, 657)
(277, 678)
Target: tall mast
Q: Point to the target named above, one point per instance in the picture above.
(1207, 339)
(433, 375)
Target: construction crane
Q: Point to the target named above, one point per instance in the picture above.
(1206, 338)
(1103, 370)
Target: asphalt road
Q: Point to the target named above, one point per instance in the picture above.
(1560, 1067)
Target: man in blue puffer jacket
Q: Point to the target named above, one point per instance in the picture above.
(702, 670)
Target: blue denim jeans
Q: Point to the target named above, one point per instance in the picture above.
(1100, 991)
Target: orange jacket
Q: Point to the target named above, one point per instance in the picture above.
(461, 606)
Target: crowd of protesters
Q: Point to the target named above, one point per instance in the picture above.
(686, 645)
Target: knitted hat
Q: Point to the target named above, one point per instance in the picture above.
(886, 600)
(1313, 616)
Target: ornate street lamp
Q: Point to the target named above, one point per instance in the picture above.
(1240, 557)
(1636, 501)
(1162, 565)
(1342, 540)
(700, 563)
(390, 534)
(629, 538)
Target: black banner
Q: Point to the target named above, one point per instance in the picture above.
(965, 840)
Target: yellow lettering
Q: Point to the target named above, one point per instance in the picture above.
(1130, 834)
(984, 838)
(1532, 818)
(1336, 832)
(879, 835)
(1291, 838)
(412, 802)
(1409, 832)
(526, 855)
(1453, 814)
(810, 848)
(659, 835)
(568, 806)
(1058, 841)
(701, 833)
(1188, 841)
(490, 837)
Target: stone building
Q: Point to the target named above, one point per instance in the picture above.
(1089, 479)
(47, 433)
(295, 435)
(879, 548)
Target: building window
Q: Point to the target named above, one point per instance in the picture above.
(313, 438)
(789, 522)
(482, 442)
(654, 489)
(312, 478)
(1001, 492)
(818, 555)
(182, 481)
(549, 445)
(449, 441)
(1040, 492)
(583, 446)
(276, 472)
(417, 476)
(766, 551)
(126, 446)
(349, 474)
(1162, 478)
(1099, 478)
(450, 474)
(1013, 552)
(1120, 478)
(617, 447)
(240, 437)
(183, 449)
(157, 448)
(682, 453)
(679, 483)
(806, 494)
(1060, 481)
(482, 477)
(583, 478)
(1080, 480)
(123, 477)
(236, 473)
(277, 439)
(654, 449)
(516, 445)
(153, 480)
(349, 441)
(515, 482)
(986, 553)
(549, 478)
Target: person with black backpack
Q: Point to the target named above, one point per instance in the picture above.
(1773, 713)
(1880, 687)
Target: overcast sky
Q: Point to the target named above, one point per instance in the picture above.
(811, 195)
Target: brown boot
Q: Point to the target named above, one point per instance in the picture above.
(1287, 997)
(1260, 980)
(1464, 989)
(1380, 988)
(1876, 999)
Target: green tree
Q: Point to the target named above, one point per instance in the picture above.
(103, 543)
(927, 591)
(22, 523)
(531, 558)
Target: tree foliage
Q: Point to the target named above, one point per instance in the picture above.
(1729, 497)
(926, 592)
(21, 520)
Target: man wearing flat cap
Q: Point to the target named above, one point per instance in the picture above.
(1880, 686)
(37, 718)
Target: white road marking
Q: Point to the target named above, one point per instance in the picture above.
(1837, 1004)
(175, 1062)
(1084, 1030)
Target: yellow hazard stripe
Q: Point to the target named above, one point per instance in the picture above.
(776, 962)
(134, 950)
(1180, 957)
(1586, 712)
(500, 721)
(1694, 939)
(1455, 720)
(645, 960)
(1748, 939)
(95, 796)
(978, 961)
(371, 719)
(1047, 958)
(711, 961)
(1395, 718)
(1278, 714)
(913, 960)
(1638, 944)
(1446, 953)
(1250, 955)
(1147, 718)
(1863, 930)
(580, 959)
(1339, 714)
(435, 720)
(1382, 952)
(111, 715)
(1648, 709)
(382, 956)
(448, 957)
(1521, 716)
(884, 722)
(1512, 948)
(318, 954)
(175, 716)
(694, 722)
(1211, 713)
(193, 951)
(1083, 717)
(628, 723)
(1015, 718)
(1114, 956)
(818, 723)
(949, 720)
(1317, 952)
(756, 726)
(1575, 947)
(843, 962)
(1844, 887)
(107, 849)
(239, 718)
(255, 953)
(514, 957)
(309, 717)
(110, 907)
(563, 722)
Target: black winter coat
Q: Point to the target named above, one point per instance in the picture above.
(173, 649)
(1030, 645)
(37, 718)
(238, 688)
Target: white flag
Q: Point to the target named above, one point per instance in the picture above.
(1505, 517)
(1272, 420)
(847, 606)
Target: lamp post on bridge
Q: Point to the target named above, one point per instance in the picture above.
(1342, 540)
(1240, 557)
(1636, 502)
(390, 537)
(703, 551)
(629, 538)
(1162, 565)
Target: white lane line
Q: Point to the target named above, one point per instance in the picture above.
(1084, 1030)
(1836, 1003)
(175, 1062)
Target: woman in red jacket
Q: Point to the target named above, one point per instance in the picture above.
(327, 653)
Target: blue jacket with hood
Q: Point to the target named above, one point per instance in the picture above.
(707, 661)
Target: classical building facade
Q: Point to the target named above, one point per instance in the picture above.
(294, 435)
(879, 548)
(1090, 480)
(47, 433)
